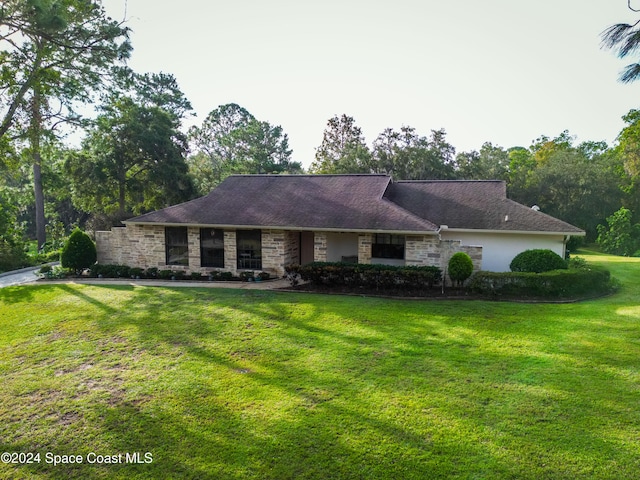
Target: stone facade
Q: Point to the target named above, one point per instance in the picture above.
(230, 252)
(320, 247)
(279, 248)
(134, 245)
(422, 250)
(365, 241)
(193, 240)
(144, 246)
(291, 247)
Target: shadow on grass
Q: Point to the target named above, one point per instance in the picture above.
(266, 385)
(17, 294)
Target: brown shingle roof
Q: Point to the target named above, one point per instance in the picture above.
(358, 203)
(476, 205)
(341, 202)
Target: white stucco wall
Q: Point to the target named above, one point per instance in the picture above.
(499, 249)
(341, 245)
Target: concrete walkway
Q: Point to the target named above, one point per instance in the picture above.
(265, 285)
(28, 275)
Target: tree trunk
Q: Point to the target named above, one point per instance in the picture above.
(121, 199)
(41, 233)
(36, 129)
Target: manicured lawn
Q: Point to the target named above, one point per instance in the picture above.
(239, 384)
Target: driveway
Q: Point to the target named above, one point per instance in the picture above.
(18, 277)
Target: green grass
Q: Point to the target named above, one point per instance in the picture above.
(239, 384)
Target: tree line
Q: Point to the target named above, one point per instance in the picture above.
(59, 60)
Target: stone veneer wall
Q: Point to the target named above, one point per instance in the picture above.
(193, 240)
(431, 251)
(319, 247)
(365, 241)
(134, 245)
(422, 250)
(276, 247)
(144, 246)
(291, 247)
(230, 252)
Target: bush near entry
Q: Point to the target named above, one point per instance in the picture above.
(460, 267)
(79, 252)
(537, 261)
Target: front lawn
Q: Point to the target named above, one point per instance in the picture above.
(245, 384)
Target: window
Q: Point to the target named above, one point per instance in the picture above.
(249, 245)
(211, 247)
(388, 246)
(175, 239)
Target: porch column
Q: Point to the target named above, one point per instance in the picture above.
(319, 247)
(230, 251)
(365, 241)
(193, 240)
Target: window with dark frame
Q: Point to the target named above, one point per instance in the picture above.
(388, 246)
(177, 245)
(249, 249)
(212, 247)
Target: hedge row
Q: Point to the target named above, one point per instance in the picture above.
(123, 271)
(359, 275)
(572, 283)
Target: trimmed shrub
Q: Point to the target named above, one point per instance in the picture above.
(360, 275)
(572, 283)
(136, 272)
(110, 271)
(460, 267)
(151, 272)
(246, 276)
(79, 252)
(165, 274)
(537, 261)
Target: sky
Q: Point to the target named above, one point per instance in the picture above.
(499, 71)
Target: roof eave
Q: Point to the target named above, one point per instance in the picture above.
(281, 227)
(580, 233)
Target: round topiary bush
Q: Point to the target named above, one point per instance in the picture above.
(460, 267)
(79, 252)
(537, 261)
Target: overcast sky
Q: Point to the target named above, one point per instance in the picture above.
(503, 71)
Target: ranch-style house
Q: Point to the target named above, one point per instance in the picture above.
(265, 222)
